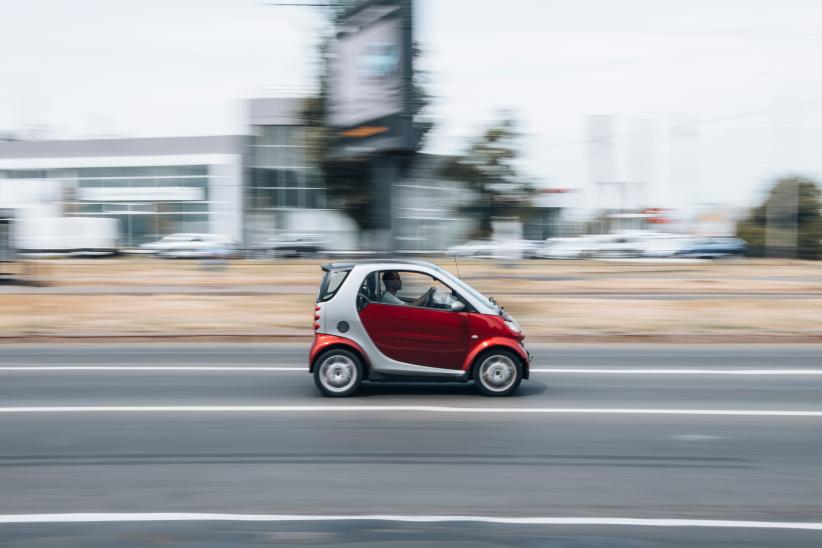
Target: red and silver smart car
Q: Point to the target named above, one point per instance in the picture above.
(411, 320)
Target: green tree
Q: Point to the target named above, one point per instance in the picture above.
(488, 167)
(788, 223)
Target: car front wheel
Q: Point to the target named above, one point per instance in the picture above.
(498, 373)
(338, 373)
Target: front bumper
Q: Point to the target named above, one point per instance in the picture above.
(526, 373)
(526, 352)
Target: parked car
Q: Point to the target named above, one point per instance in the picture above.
(411, 321)
(665, 247)
(624, 245)
(714, 248)
(191, 245)
(614, 246)
(566, 248)
(496, 249)
(471, 248)
(290, 245)
(525, 249)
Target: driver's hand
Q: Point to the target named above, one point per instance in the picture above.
(425, 296)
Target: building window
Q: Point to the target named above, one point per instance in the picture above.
(149, 202)
(281, 177)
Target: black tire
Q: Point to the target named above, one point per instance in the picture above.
(338, 373)
(491, 370)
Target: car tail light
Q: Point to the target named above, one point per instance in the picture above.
(316, 317)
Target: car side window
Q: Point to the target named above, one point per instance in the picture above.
(370, 287)
(407, 288)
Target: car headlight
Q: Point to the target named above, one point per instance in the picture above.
(512, 325)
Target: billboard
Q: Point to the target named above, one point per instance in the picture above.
(370, 78)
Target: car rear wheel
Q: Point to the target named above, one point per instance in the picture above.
(498, 373)
(338, 373)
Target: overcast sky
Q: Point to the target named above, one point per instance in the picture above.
(740, 78)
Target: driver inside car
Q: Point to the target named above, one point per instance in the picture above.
(393, 283)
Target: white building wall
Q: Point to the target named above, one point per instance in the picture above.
(225, 190)
(44, 198)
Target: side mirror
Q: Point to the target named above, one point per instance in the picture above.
(362, 301)
(457, 306)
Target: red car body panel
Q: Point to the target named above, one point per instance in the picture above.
(494, 342)
(323, 341)
(420, 336)
(491, 331)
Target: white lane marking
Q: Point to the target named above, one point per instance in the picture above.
(649, 371)
(406, 408)
(145, 368)
(640, 522)
(584, 371)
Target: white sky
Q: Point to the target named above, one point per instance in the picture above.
(743, 74)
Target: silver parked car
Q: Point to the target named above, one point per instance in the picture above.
(290, 245)
(192, 245)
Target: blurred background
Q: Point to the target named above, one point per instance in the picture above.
(610, 171)
(641, 154)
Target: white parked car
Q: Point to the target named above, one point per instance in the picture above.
(567, 248)
(526, 249)
(618, 245)
(290, 245)
(472, 248)
(191, 245)
(632, 244)
(496, 249)
(664, 247)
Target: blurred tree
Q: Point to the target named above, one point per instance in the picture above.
(788, 223)
(488, 167)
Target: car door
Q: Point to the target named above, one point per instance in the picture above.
(433, 335)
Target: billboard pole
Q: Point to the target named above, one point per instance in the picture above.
(384, 172)
(396, 158)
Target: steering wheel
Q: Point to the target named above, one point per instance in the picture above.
(428, 297)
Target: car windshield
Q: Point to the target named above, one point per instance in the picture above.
(466, 289)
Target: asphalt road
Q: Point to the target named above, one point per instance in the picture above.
(241, 290)
(599, 433)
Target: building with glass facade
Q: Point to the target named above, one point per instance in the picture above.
(426, 207)
(282, 178)
(153, 187)
(247, 187)
(284, 186)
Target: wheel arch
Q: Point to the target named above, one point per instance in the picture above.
(491, 345)
(327, 343)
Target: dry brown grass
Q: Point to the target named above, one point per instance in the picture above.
(719, 276)
(536, 303)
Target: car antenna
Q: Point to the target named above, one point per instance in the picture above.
(456, 265)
